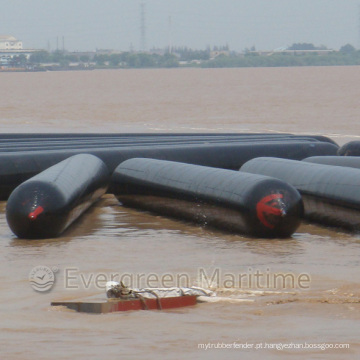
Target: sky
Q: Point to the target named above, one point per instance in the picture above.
(87, 25)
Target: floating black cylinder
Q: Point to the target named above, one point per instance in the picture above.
(331, 194)
(352, 148)
(41, 137)
(45, 205)
(251, 204)
(78, 144)
(347, 161)
(20, 166)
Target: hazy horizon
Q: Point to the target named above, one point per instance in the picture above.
(87, 25)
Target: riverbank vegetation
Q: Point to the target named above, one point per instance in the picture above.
(217, 57)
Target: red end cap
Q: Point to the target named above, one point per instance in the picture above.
(269, 206)
(33, 215)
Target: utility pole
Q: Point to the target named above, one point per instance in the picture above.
(359, 26)
(170, 35)
(142, 27)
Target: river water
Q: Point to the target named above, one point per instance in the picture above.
(320, 300)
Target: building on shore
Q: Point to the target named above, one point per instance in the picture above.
(11, 47)
(8, 42)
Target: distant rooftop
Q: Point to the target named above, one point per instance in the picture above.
(7, 38)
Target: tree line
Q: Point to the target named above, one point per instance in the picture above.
(183, 56)
(347, 55)
(125, 59)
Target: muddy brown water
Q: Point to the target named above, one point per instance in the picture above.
(320, 300)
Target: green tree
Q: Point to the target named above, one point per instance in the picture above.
(57, 56)
(19, 61)
(348, 49)
(84, 58)
(100, 59)
(302, 46)
(115, 59)
(141, 60)
(71, 58)
(39, 57)
(168, 60)
(124, 57)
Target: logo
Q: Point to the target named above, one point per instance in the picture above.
(268, 207)
(42, 278)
